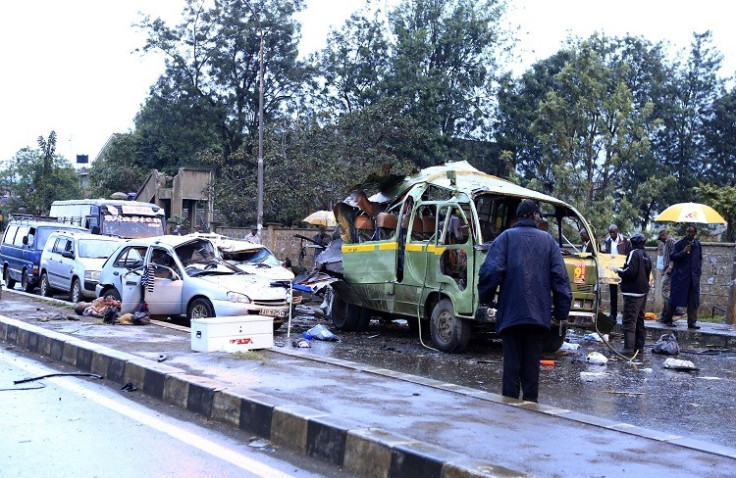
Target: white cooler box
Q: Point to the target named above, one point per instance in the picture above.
(232, 334)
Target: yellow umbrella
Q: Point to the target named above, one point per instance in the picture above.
(321, 218)
(690, 212)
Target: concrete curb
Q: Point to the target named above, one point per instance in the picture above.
(364, 451)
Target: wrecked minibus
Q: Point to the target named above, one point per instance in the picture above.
(413, 252)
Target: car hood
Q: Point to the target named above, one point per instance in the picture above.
(255, 287)
(269, 272)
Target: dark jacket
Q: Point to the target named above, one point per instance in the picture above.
(635, 273)
(686, 271)
(527, 264)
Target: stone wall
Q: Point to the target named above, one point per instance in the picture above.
(715, 282)
(718, 261)
(282, 241)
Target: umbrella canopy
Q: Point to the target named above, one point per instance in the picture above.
(690, 212)
(321, 218)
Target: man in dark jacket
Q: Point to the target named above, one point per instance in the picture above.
(527, 264)
(634, 289)
(687, 259)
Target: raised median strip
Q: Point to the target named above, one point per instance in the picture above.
(364, 451)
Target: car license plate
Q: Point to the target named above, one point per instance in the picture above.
(273, 312)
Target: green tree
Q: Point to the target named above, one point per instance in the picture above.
(36, 178)
(592, 130)
(722, 199)
(115, 172)
(720, 138)
(688, 102)
(212, 68)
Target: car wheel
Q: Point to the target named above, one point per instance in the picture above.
(112, 293)
(348, 317)
(75, 293)
(200, 309)
(9, 282)
(25, 282)
(449, 333)
(44, 288)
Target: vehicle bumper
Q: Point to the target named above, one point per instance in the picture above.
(224, 308)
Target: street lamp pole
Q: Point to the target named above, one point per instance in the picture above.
(260, 123)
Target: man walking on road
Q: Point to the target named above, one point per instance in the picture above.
(687, 259)
(527, 264)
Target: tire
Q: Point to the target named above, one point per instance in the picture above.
(44, 288)
(348, 317)
(112, 293)
(9, 282)
(449, 333)
(552, 341)
(25, 282)
(75, 293)
(200, 309)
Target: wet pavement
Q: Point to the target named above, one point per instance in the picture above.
(452, 411)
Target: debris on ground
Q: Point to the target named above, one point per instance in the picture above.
(679, 364)
(596, 337)
(667, 345)
(596, 358)
(320, 332)
(567, 347)
(301, 344)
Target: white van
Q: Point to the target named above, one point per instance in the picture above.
(71, 262)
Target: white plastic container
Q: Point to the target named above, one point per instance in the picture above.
(232, 334)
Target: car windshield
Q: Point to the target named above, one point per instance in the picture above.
(95, 249)
(198, 257)
(259, 257)
(132, 227)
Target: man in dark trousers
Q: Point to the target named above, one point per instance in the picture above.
(634, 289)
(614, 244)
(527, 264)
(668, 246)
(687, 260)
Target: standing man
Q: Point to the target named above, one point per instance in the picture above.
(687, 260)
(615, 244)
(669, 246)
(253, 236)
(585, 237)
(527, 264)
(634, 288)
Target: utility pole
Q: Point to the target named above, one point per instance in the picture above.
(260, 123)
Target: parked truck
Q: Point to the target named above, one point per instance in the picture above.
(413, 251)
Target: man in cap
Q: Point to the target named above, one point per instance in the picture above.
(634, 289)
(527, 265)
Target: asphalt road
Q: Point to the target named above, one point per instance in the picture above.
(81, 427)
(699, 404)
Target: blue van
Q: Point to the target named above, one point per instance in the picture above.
(21, 248)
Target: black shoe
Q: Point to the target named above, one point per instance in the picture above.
(693, 327)
(670, 324)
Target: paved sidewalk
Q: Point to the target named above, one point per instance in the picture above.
(372, 422)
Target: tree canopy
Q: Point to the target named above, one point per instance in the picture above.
(617, 126)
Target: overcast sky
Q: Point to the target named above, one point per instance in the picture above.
(68, 65)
